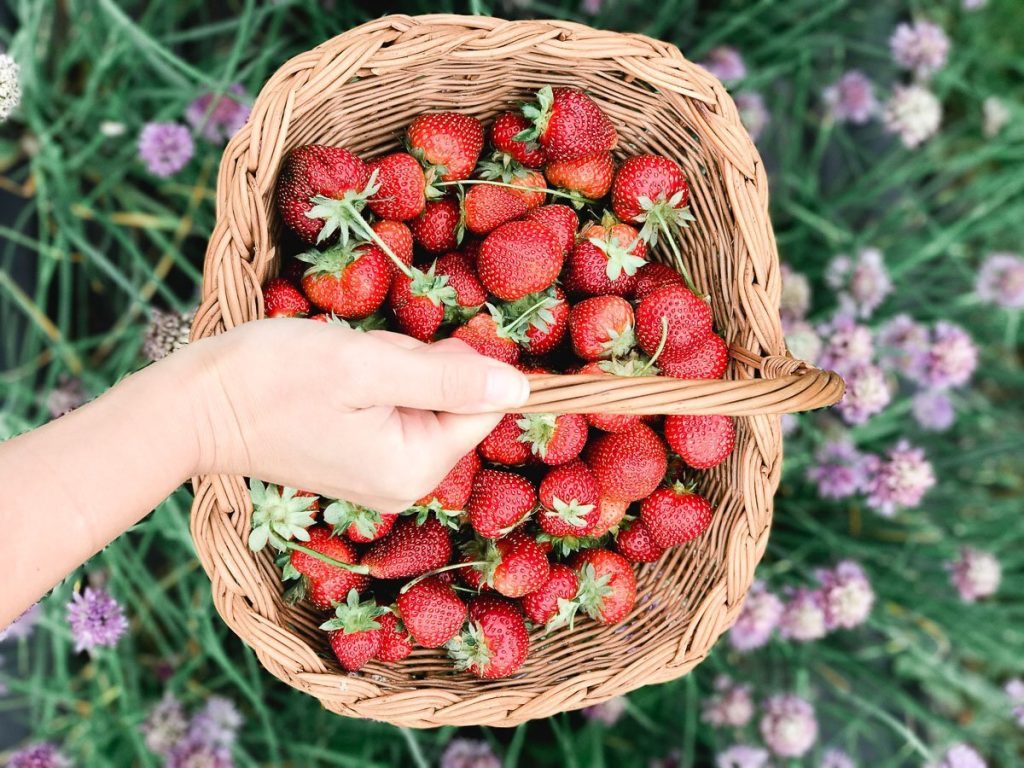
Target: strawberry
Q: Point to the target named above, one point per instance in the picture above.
(484, 335)
(502, 445)
(588, 178)
(675, 515)
(499, 502)
(605, 260)
(394, 639)
(487, 207)
(569, 496)
(568, 124)
(653, 275)
(472, 557)
(354, 631)
(560, 219)
(470, 293)
(707, 360)
(528, 184)
(607, 585)
(323, 583)
(545, 333)
(401, 187)
(504, 130)
(609, 422)
(519, 258)
(453, 491)
(601, 327)
(495, 643)
(282, 299)
(349, 280)
(470, 248)
(398, 237)
(651, 190)
(419, 302)
(609, 515)
(438, 228)
(636, 545)
(628, 465)
(551, 604)
(554, 439)
(675, 313)
(701, 441)
(359, 524)
(315, 177)
(409, 550)
(431, 611)
(447, 143)
(513, 566)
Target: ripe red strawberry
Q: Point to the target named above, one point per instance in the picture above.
(560, 219)
(316, 171)
(554, 439)
(707, 360)
(484, 335)
(607, 585)
(602, 327)
(327, 584)
(609, 515)
(502, 445)
(551, 605)
(605, 260)
(419, 302)
(409, 550)
(398, 238)
(675, 515)
(431, 611)
(495, 643)
(394, 639)
(568, 124)
(437, 229)
(470, 248)
(452, 493)
(282, 299)
(519, 258)
(358, 523)
(701, 441)
(349, 280)
(652, 276)
(470, 293)
(675, 312)
(636, 544)
(354, 632)
(535, 182)
(504, 130)
(569, 496)
(487, 206)
(609, 422)
(588, 177)
(651, 190)
(401, 187)
(546, 333)
(447, 143)
(513, 566)
(472, 574)
(628, 465)
(499, 502)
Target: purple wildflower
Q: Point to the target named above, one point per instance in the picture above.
(863, 278)
(166, 333)
(995, 116)
(1014, 689)
(790, 421)
(789, 726)
(65, 397)
(607, 712)
(165, 726)
(913, 113)
(42, 755)
(10, 87)
(836, 758)
(900, 480)
(803, 617)
(951, 358)
(193, 753)
(846, 595)
(757, 620)
(974, 5)
(725, 63)
(933, 410)
(851, 99)
(904, 345)
(742, 756)
(921, 47)
(591, 7)
(469, 753)
(218, 118)
(1001, 280)
(22, 626)
(839, 470)
(847, 344)
(867, 393)
(975, 574)
(96, 619)
(796, 295)
(753, 113)
(960, 756)
(217, 723)
(165, 148)
(671, 760)
(730, 705)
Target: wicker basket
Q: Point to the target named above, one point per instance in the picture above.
(359, 90)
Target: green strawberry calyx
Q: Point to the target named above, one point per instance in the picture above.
(592, 591)
(538, 113)
(502, 166)
(342, 215)
(450, 517)
(621, 258)
(538, 430)
(433, 286)
(278, 516)
(354, 616)
(515, 318)
(341, 514)
(565, 615)
(333, 261)
(470, 649)
(570, 512)
(566, 545)
(661, 214)
(634, 364)
(620, 341)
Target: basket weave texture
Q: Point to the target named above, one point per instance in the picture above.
(360, 90)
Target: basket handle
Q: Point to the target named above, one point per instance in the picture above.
(786, 385)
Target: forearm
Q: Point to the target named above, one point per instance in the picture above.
(75, 484)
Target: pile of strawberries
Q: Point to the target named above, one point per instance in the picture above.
(545, 520)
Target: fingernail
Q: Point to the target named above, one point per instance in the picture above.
(506, 388)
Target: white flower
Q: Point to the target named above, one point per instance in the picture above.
(996, 116)
(10, 89)
(112, 129)
(914, 113)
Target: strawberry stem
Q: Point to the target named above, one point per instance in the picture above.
(670, 236)
(526, 314)
(368, 231)
(326, 559)
(545, 190)
(454, 566)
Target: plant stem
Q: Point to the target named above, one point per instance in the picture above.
(545, 190)
(454, 566)
(368, 231)
(670, 236)
(326, 559)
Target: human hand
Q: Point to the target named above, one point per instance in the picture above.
(375, 418)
